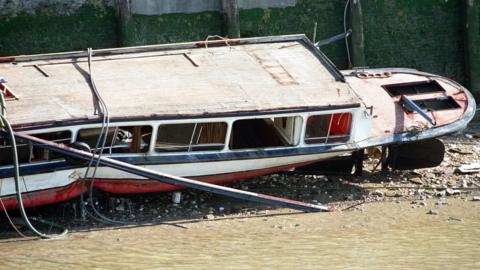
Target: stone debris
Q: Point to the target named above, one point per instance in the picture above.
(470, 168)
(454, 219)
(416, 180)
(209, 217)
(451, 192)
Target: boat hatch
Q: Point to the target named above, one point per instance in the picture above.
(434, 104)
(328, 128)
(265, 132)
(413, 88)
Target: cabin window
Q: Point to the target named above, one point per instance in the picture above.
(434, 104)
(265, 132)
(123, 139)
(29, 153)
(328, 128)
(191, 137)
(414, 88)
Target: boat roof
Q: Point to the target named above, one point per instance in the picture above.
(219, 77)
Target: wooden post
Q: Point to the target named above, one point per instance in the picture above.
(472, 25)
(123, 10)
(358, 43)
(231, 18)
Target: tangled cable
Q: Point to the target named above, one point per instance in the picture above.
(16, 174)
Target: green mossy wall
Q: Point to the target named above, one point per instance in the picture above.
(424, 34)
(90, 26)
(300, 19)
(170, 28)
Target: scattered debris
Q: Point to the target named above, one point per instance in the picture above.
(432, 212)
(470, 168)
(451, 192)
(460, 151)
(209, 217)
(454, 219)
(416, 180)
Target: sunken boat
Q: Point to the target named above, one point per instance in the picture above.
(214, 111)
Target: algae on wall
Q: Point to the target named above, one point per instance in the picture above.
(426, 35)
(41, 28)
(300, 19)
(170, 28)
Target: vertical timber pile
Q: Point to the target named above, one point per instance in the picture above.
(231, 18)
(123, 10)
(473, 45)
(358, 39)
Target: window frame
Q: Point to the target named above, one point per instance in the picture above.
(31, 147)
(297, 137)
(108, 144)
(189, 149)
(331, 113)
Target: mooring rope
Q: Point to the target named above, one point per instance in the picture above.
(6, 125)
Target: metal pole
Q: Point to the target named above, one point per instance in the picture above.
(170, 179)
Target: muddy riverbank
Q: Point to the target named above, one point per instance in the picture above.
(385, 235)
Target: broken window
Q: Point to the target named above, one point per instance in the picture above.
(266, 132)
(328, 128)
(128, 139)
(29, 153)
(434, 104)
(414, 88)
(191, 137)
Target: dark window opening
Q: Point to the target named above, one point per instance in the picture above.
(328, 128)
(29, 153)
(414, 88)
(128, 139)
(191, 137)
(263, 133)
(434, 104)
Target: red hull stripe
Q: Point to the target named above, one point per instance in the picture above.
(129, 186)
(43, 197)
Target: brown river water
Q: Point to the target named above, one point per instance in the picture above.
(378, 236)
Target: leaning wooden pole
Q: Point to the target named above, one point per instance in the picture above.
(472, 25)
(231, 18)
(123, 12)
(358, 39)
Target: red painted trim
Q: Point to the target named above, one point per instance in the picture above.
(43, 197)
(131, 186)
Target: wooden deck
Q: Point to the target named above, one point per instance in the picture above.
(247, 77)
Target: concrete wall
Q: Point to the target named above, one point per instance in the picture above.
(424, 34)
